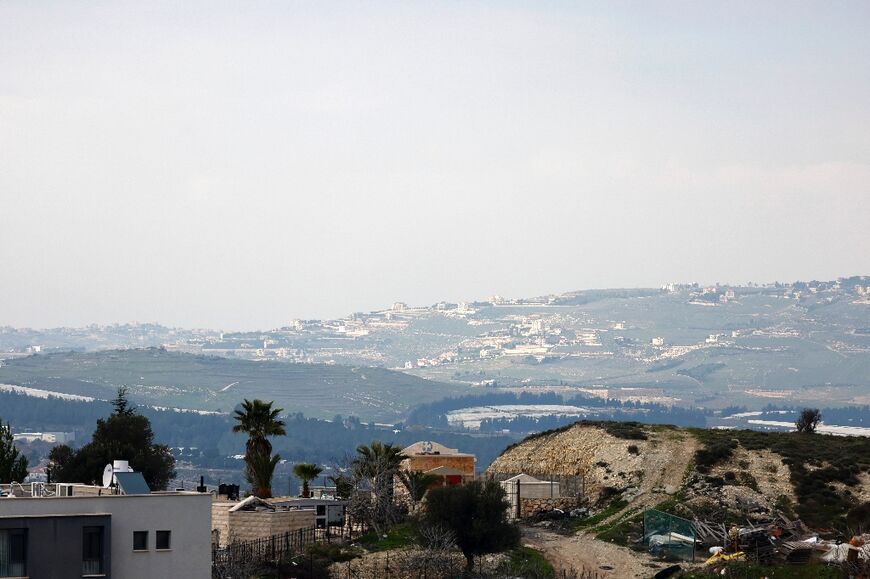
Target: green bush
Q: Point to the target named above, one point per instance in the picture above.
(476, 513)
(525, 562)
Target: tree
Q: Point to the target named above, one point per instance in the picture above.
(417, 483)
(374, 470)
(259, 421)
(343, 486)
(259, 472)
(121, 405)
(476, 513)
(13, 466)
(378, 460)
(808, 420)
(124, 435)
(306, 472)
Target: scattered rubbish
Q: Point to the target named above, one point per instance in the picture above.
(776, 541)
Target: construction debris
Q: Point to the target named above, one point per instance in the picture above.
(774, 542)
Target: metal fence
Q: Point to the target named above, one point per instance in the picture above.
(569, 490)
(277, 547)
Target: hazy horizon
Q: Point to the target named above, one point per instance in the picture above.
(243, 164)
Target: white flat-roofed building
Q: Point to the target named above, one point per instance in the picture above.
(73, 531)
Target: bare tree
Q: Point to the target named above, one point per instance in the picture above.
(808, 420)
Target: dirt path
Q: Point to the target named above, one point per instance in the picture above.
(665, 466)
(583, 552)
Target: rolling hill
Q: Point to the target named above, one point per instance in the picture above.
(160, 378)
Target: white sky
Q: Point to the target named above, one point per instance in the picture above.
(239, 164)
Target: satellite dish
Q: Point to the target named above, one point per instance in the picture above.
(108, 475)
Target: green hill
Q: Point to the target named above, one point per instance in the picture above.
(157, 377)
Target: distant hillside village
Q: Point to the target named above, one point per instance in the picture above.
(540, 328)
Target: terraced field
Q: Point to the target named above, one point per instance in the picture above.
(161, 378)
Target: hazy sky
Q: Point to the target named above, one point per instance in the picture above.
(239, 164)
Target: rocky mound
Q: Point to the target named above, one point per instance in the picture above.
(631, 458)
(823, 479)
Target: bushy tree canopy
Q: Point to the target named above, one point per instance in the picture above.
(13, 466)
(476, 513)
(124, 435)
(808, 420)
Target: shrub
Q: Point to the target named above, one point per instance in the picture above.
(714, 453)
(633, 449)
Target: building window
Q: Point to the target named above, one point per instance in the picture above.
(92, 551)
(321, 510)
(164, 540)
(13, 552)
(140, 540)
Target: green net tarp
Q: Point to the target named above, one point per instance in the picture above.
(668, 536)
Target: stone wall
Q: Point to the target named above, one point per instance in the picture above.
(529, 507)
(248, 525)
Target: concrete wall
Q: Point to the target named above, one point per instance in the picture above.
(187, 515)
(533, 490)
(54, 544)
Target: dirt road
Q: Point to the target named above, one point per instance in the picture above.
(665, 465)
(582, 552)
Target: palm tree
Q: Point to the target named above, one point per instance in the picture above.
(258, 419)
(418, 483)
(306, 472)
(378, 460)
(259, 471)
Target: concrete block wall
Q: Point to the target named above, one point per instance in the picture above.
(249, 525)
(220, 520)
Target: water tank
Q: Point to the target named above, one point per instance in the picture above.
(121, 466)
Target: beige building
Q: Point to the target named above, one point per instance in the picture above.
(452, 466)
(255, 518)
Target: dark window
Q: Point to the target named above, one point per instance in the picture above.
(140, 540)
(13, 552)
(321, 510)
(92, 551)
(164, 540)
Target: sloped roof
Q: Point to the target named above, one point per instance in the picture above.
(252, 502)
